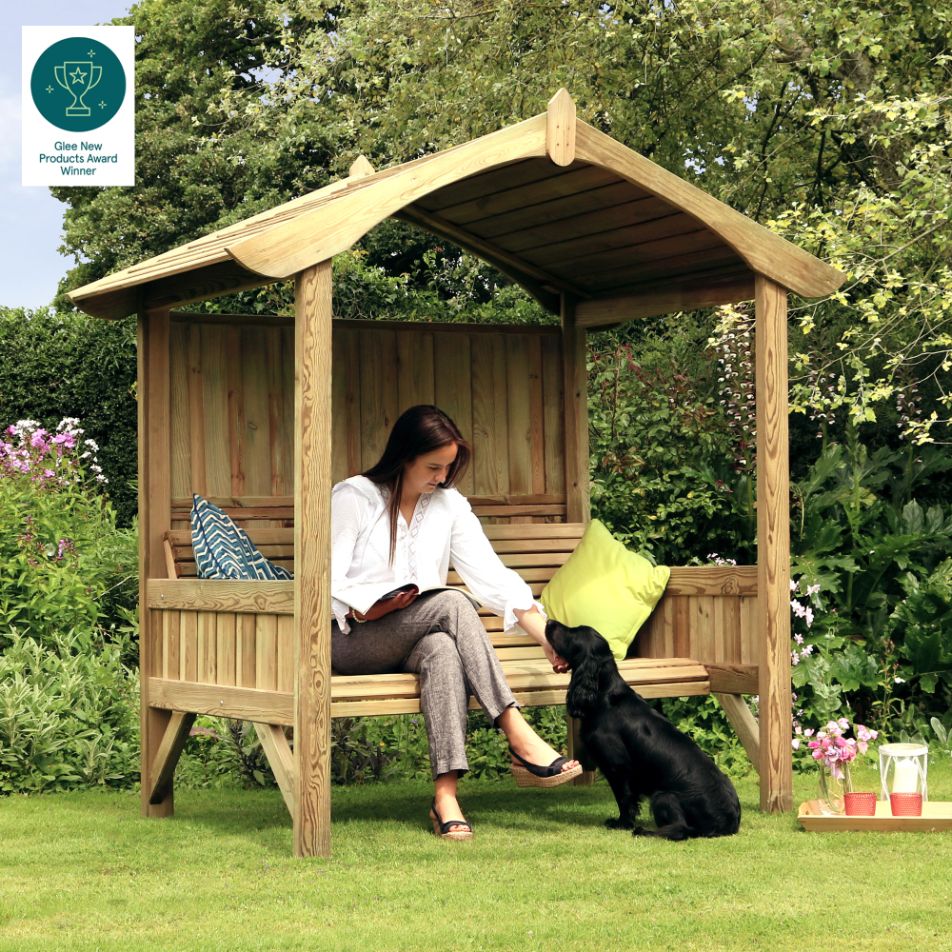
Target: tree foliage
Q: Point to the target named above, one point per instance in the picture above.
(830, 125)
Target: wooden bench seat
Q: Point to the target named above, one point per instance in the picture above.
(226, 647)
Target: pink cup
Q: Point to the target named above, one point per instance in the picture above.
(906, 804)
(860, 804)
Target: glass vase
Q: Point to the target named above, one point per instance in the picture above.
(832, 787)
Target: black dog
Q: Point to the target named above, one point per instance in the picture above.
(639, 751)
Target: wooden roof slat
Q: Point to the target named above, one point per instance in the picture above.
(548, 214)
(523, 197)
(581, 224)
(630, 257)
(669, 227)
(535, 279)
(698, 267)
(524, 172)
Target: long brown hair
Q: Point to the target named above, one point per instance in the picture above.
(419, 430)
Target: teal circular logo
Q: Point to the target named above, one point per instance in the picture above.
(78, 84)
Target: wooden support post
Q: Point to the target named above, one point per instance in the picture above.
(773, 547)
(155, 515)
(167, 757)
(576, 415)
(312, 564)
(274, 742)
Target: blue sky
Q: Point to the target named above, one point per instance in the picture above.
(31, 219)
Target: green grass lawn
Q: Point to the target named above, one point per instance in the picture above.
(85, 871)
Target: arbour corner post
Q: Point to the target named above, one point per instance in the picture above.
(159, 747)
(773, 545)
(312, 601)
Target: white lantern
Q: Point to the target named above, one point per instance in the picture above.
(902, 769)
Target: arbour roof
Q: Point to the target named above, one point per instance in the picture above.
(551, 201)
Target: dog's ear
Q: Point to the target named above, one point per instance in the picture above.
(583, 688)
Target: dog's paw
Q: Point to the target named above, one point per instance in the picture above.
(618, 823)
(641, 831)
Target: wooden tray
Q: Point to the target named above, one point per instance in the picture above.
(936, 815)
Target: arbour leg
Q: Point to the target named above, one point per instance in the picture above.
(312, 516)
(773, 547)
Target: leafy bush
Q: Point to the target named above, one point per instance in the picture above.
(60, 363)
(69, 713)
(663, 475)
(919, 628)
(63, 563)
(873, 591)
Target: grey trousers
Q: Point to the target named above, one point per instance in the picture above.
(440, 638)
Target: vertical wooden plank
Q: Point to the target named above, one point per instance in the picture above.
(196, 412)
(682, 626)
(173, 641)
(189, 646)
(285, 636)
(226, 625)
(165, 636)
(236, 410)
(266, 652)
(517, 383)
(453, 373)
(414, 367)
(491, 454)
(732, 625)
(256, 430)
(378, 395)
(312, 608)
(155, 504)
(701, 646)
(751, 636)
(180, 424)
(344, 369)
(245, 664)
(536, 416)
(576, 415)
(773, 546)
(553, 414)
(279, 362)
(207, 648)
(345, 419)
(215, 409)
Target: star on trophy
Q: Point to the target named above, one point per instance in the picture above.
(78, 79)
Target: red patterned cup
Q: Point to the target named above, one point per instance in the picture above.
(860, 804)
(906, 804)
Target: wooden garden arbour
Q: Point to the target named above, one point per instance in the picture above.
(595, 232)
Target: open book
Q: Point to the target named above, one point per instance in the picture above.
(410, 589)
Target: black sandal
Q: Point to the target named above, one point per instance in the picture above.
(528, 774)
(450, 829)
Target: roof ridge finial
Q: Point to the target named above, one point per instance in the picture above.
(360, 168)
(560, 128)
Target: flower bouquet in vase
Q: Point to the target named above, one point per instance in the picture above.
(833, 752)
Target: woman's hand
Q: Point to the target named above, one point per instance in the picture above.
(533, 624)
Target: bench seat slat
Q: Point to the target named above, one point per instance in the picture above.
(523, 674)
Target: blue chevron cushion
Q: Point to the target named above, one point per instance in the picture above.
(223, 550)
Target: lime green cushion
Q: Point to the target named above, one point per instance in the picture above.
(605, 586)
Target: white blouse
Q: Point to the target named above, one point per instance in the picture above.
(443, 531)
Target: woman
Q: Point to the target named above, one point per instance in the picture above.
(402, 522)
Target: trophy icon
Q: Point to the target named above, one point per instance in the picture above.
(77, 78)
